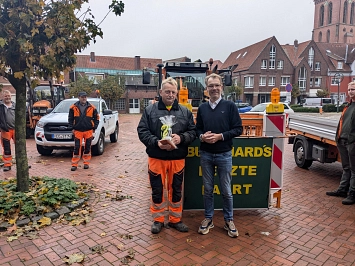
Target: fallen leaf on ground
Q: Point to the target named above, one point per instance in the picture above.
(45, 221)
(265, 233)
(73, 258)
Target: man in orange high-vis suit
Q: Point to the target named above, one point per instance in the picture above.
(7, 128)
(164, 161)
(83, 118)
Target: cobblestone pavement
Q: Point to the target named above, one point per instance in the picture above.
(309, 228)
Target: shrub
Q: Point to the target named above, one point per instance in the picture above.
(332, 108)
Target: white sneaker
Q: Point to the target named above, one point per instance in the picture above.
(205, 227)
(232, 230)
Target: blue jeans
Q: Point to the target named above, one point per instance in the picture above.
(223, 162)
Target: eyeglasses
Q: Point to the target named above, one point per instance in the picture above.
(351, 89)
(214, 86)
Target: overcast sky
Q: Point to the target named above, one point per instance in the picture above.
(198, 29)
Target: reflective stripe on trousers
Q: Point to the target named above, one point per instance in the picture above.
(78, 138)
(6, 145)
(173, 172)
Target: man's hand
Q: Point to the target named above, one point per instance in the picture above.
(176, 139)
(165, 146)
(211, 138)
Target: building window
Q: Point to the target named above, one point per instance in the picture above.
(280, 64)
(262, 81)
(352, 9)
(248, 82)
(95, 78)
(238, 56)
(285, 81)
(345, 13)
(328, 36)
(272, 57)
(120, 104)
(340, 65)
(264, 64)
(235, 81)
(146, 102)
(320, 37)
(271, 81)
(311, 57)
(317, 66)
(334, 81)
(315, 82)
(321, 16)
(330, 12)
(302, 78)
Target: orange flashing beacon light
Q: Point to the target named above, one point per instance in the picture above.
(275, 106)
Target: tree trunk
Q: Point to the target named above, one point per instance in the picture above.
(22, 174)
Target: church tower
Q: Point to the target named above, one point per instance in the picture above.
(334, 21)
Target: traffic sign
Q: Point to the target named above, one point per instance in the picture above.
(288, 87)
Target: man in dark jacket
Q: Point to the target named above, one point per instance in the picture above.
(165, 161)
(7, 127)
(217, 123)
(345, 139)
(83, 119)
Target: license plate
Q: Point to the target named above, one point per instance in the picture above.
(62, 136)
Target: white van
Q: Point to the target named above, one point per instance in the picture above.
(316, 102)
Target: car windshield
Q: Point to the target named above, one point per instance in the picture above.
(258, 108)
(63, 107)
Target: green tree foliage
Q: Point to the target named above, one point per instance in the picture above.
(323, 93)
(236, 91)
(112, 88)
(295, 92)
(38, 38)
(81, 84)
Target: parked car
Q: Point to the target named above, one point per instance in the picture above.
(243, 107)
(261, 109)
(52, 131)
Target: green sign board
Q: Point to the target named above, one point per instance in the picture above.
(250, 175)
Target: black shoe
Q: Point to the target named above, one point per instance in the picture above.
(86, 166)
(7, 168)
(180, 226)
(337, 193)
(350, 199)
(73, 168)
(156, 227)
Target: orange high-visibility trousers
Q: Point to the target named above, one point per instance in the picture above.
(6, 145)
(158, 171)
(78, 138)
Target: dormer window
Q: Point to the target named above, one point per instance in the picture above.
(340, 65)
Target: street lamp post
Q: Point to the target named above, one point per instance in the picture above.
(339, 78)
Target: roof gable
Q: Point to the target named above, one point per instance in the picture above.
(246, 56)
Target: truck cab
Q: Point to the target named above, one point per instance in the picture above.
(52, 130)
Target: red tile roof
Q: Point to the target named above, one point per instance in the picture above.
(245, 56)
(111, 62)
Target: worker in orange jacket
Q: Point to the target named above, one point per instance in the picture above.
(83, 118)
(7, 128)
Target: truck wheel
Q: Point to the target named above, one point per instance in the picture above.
(29, 132)
(44, 151)
(300, 155)
(98, 149)
(114, 135)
